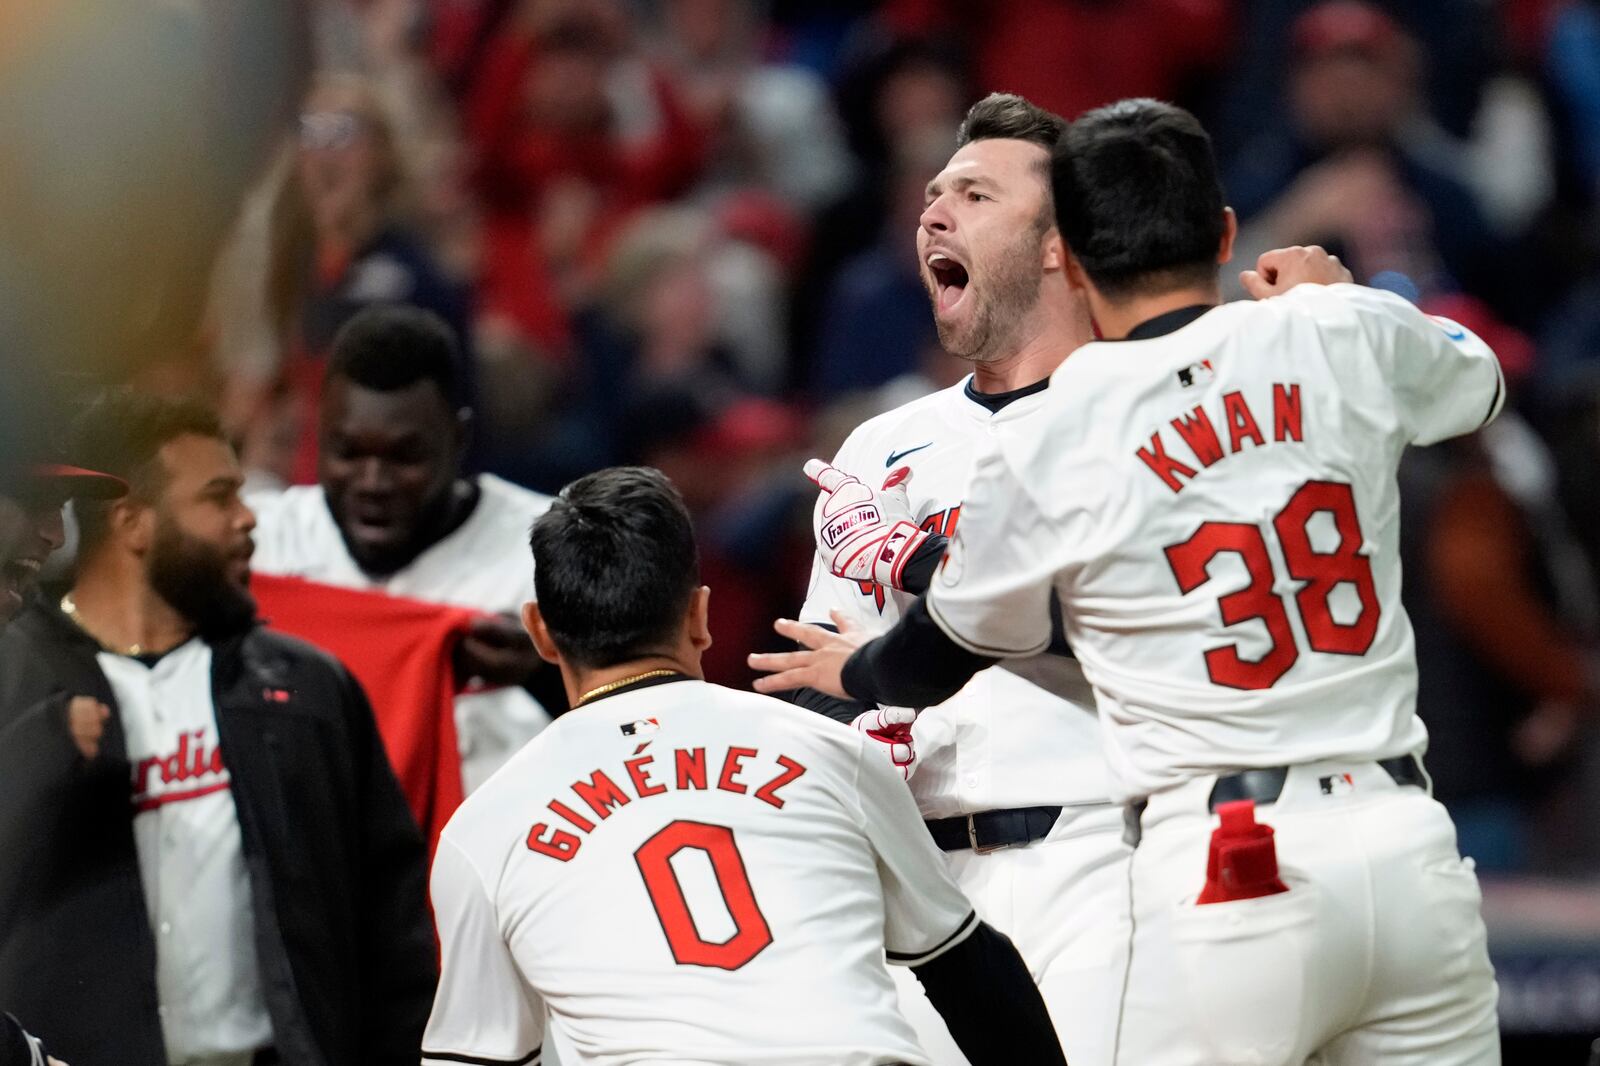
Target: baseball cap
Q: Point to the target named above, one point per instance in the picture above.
(1344, 26)
(74, 482)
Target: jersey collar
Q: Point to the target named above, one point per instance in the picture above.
(1168, 322)
(995, 402)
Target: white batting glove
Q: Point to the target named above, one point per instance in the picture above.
(891, 727)
(864, 534)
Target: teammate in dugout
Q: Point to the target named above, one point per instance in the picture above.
(685, 873)
(396, 511)
(223, 872)
(1212, 498)
(1007, 772)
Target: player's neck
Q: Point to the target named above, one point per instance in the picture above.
(116, 605)
(1041, 346)
(1118, 318)
(581, 682)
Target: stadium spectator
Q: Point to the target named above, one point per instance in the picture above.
(572, 130)
(1068, 56)
(1353, 169)
(770, 125)
(228, 873)
(331, 237)
(394, 510)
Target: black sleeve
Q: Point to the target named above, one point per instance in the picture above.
(917, 574)
(400, 966)
(913, 665)
(988, 1000)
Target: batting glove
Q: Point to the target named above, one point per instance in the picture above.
(891, 727)
(862, 534)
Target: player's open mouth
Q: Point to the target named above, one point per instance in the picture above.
(949, 279)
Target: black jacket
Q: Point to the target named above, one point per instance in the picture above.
(336, 863)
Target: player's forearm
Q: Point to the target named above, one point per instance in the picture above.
(846, 711)
(914, 664)
(918, 572)
(988, 1000)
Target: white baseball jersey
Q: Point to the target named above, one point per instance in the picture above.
(683, 873)
(1216, 510)
(484, 564)
(1020, 734)
(191, 860)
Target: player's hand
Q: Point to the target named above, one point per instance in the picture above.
(864, 534)
(891, 727)
(1282, 269)
(820, 665)
(86, 721)
(498, 650)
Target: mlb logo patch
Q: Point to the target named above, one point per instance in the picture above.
(1196, 374)
(639, 728)
(1337, 785)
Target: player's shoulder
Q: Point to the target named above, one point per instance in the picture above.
(890, 425)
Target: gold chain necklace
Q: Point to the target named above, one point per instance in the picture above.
(70, 609)
(595, 693)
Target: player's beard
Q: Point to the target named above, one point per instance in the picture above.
(1011, 290)
(192, 576)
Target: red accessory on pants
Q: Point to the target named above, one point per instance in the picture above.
(1243, 863)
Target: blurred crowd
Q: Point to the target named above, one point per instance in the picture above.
(680, 233)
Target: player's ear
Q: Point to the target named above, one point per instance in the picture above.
(699, 620)
(133, 523)
(1055, 252)
(1230, 230)
(533, 622)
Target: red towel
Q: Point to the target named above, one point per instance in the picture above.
(400, 650)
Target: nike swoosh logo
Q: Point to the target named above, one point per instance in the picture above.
(895, 457)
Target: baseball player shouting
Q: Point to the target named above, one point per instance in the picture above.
(685, 873)
(1008, 771)
(1213, 501)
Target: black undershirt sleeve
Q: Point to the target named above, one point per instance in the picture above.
(990, 1004)
(914, 664)
(918, 572)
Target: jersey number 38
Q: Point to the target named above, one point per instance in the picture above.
(1319, 572)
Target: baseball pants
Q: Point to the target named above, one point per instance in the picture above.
(1063, 902)
(1376, 955)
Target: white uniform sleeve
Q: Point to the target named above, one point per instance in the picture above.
(992, 594)
(484, 1012)
(1446, 381)
(925, 913)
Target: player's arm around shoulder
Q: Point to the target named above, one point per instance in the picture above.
(1443, 379)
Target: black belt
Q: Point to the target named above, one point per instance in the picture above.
(1265, 786)
(989, 831)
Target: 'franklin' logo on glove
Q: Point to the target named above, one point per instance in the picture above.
(841, 526)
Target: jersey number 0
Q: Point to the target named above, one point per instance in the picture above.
(1321, 573)
(751, 935)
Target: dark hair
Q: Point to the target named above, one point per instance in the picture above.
(614, 566)
(389, 347)
(1137, 197)
(1007, 116)
(122, 433)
